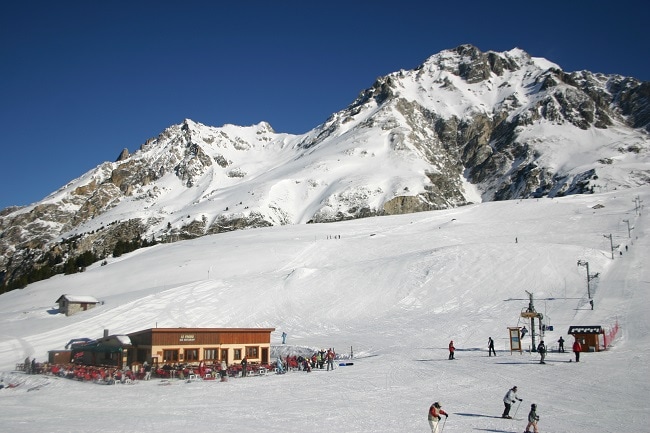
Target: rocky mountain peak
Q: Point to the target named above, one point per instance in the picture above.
(124, 154)
(464, 126)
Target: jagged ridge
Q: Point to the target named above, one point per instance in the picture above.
(464, 126)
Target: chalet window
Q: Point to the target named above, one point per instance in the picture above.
(237, 354)
(252, 351)
(210, 354)
(191, 355)
(170, 355)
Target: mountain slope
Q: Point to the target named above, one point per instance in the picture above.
(393, 290)
(464, 127)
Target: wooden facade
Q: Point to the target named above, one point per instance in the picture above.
(59, 356)
(589, 337)
(194, 345)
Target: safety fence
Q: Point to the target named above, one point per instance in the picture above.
(610, 335)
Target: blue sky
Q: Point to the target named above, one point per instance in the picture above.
(81, 80)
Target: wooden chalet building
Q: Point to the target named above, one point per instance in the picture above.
(193, 345)
(591, 338)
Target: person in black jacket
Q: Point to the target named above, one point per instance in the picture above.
(491, 347)
(524, 331)
(244, 366)
(541, 349)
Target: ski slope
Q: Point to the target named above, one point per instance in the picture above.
(394, 290)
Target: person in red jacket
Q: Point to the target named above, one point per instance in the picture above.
(435, 412)
(577, 348)
(452, 349)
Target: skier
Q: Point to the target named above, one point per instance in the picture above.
(508, 399)
(452, 349)
(284, 338)
(244, 367)
(223, 372)
(321, 358)
(532, 419)
(491, 347)
(330, 359)
(147, 371)
(577, 348)
(523, 332)
(434, 416)
(561, 345)
(541, 349)
(279, 366)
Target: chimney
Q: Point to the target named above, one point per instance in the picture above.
(105, 333)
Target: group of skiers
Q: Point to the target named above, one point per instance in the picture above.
(30, 367)
(509, 399)
(321, 359)
(541, 348)
(436, 412)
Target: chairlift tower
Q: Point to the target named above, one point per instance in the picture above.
(589, 276)
(531, 314)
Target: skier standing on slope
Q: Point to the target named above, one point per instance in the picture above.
(491, 347)
(452, 349)
(532, 419)
(577, 348)
(508, 399)
(541, 349)
(330, 359)
(435, 412)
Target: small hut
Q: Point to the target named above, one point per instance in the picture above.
(589, 337)
(111, 350)
(71, 304)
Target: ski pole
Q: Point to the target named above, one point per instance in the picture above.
(517, 409)
(443, 425)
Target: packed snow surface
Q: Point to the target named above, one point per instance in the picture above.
(391, 291)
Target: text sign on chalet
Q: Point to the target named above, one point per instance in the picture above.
(585, 330)
(187, 337)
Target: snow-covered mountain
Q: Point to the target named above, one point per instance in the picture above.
(464, 127)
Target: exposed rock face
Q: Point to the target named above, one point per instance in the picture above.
(633, 100)
(123, 155)
(411, 142)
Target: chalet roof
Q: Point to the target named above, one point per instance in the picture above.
(595, 329)
(110, 344)
(198, 330)
(78, 299)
